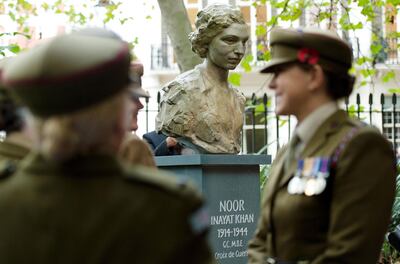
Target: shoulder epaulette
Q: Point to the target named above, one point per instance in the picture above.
(356, 122)
(7, 168)
(363, 127)
(199, 218)
(162, 180)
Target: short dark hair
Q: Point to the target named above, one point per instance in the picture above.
(338, 86)
(10, 115)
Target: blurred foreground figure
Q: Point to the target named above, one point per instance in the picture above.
(71, 201)
(331, 189)
(133, 149)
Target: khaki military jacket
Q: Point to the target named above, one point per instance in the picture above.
(95, 210)
(346, 223)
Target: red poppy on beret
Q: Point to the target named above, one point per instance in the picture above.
(309, 56)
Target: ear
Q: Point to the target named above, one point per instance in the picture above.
(317, 78)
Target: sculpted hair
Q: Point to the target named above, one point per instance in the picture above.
(211, 21)
(87, 131)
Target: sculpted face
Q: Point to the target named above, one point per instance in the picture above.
(228, 48)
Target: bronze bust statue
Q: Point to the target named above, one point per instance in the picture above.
(199, 106)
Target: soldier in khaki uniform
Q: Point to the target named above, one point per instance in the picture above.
(331, 189)
(133, 149)
(71, 201)
(17, 143)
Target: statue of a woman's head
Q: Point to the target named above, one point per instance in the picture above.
(211, 21)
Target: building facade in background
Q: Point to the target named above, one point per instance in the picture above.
(375, 103)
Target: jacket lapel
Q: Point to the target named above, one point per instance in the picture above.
(332, 124)
(275, 176)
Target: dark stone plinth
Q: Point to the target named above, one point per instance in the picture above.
(231, 187)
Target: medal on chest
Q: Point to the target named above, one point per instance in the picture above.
(310, 177)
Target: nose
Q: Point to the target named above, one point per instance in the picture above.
(139, 104)
(240, 49)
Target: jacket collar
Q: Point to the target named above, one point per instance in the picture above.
(329, 127)
(280, 177)
(84, 165)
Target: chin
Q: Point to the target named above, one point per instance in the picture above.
(134, 127)
(232, 67)
(280, 111)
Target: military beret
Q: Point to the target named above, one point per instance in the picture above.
(136, 69)
(68, 73)
(309, 45)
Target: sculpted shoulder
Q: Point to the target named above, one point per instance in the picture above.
(240, 95)
(165, 182)
(187, 80)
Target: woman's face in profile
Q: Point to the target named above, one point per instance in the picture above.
(228, 47)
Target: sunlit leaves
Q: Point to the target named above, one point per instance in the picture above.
(346, 24)
(394, 90)
(388, 76)
(367, 72)
(13, 48)
(234, 78)
(375, 49)
(353, 110)
(267, 55)
(261, 30)
(362, 60)
(246, 63)
(362, 83)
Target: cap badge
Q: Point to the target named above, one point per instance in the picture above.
(309, 56)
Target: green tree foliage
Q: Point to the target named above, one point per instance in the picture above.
(350, 16)
(77, 13)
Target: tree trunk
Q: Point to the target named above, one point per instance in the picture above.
(174, 15)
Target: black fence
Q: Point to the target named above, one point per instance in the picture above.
(265, 132)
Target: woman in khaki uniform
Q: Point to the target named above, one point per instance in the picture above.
(133, 149)
(71, 200)
(330, 192)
